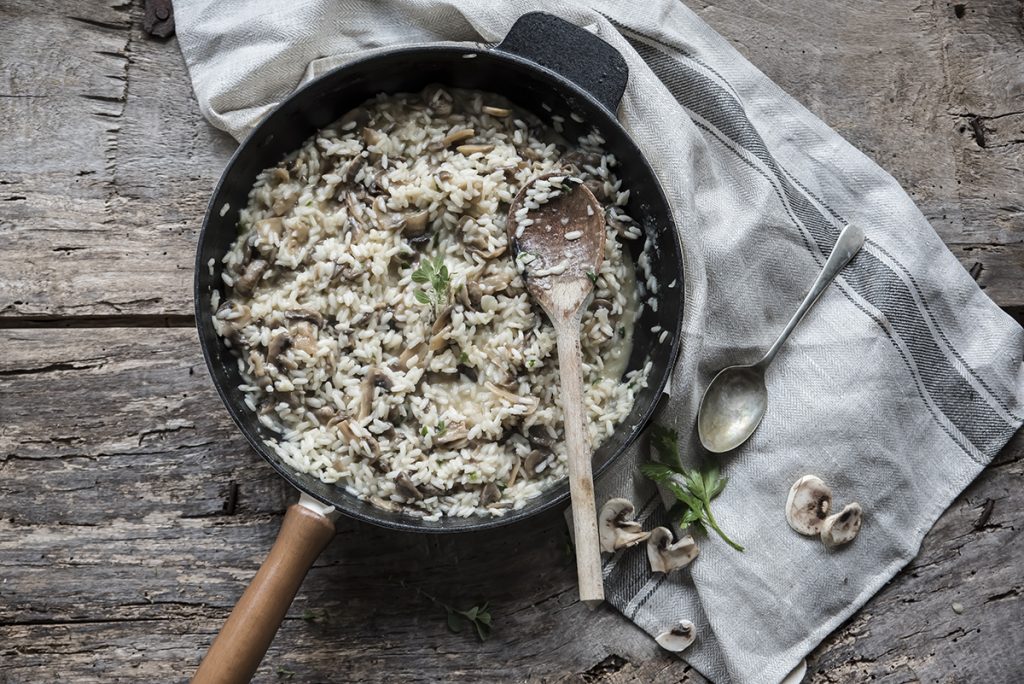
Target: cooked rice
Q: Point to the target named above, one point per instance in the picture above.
(437, 411)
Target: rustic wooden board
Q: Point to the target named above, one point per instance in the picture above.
(110, 164)
(132, 514)
(119, 557)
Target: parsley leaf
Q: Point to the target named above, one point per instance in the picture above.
(433, 274)
(694, 489)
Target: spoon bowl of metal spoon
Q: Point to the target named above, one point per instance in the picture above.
(736, 400)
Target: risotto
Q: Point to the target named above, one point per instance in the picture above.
(382, 330)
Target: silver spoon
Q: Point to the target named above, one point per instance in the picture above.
(735, 401)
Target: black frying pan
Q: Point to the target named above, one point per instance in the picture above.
(542, 61)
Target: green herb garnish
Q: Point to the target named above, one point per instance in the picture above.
(282, 673)
(592, 276)
(463, 358)
(425, 431)
(692, 488)
(436, 280)
(440, 429)
(478, 616)
(531, 363)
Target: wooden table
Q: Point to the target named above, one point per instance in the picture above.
(132, 513)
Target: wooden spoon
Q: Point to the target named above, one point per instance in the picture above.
(559, 254)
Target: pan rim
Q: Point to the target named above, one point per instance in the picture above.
(408, 523)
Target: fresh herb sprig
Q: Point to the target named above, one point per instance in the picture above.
(479, 616)
(436, 281)
(693, 488)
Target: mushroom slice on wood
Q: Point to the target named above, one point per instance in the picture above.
(842, 527)
(250, 278)
(677, 638)
(808, 504)
(617, 530)
(666, 556)
(530, 403)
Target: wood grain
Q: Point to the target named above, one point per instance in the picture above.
(132, 514)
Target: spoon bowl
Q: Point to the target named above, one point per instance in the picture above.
(734, 403)
(732, 407)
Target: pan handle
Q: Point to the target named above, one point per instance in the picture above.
(572, 52)
(246, 636)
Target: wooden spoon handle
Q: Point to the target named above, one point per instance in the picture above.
(581, 476)
(245, 637)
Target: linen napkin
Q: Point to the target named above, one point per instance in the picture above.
(896, 390)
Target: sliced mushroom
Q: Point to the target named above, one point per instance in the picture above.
(616, 529)
(354, 118)
(414, 224)
(490, 494)
(304, 337)
(842, 527)
(469, 372)
(808, 504)
(437, 342)
(246, 283)
(530, 403)
(234, 314)
(373, 378)
(473, 149)
(406, 487)
(419, 353)
(442, 321)
(540, 436)
(279, 344)
(533, 461)
(666, 556)
(351, 168)
(385, 505)
(455, 436)
(499, 112)
(601, 304)
(471, 294)
(371, 136)
(437, 98)
(516, 467)
(325, 414)
(457, 136)
(314, 317)
(283, 205)
(678, 638)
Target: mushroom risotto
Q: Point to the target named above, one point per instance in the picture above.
(382, 329)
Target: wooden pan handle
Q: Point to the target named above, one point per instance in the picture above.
(246, 636)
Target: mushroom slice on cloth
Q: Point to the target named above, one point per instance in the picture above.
(808, 505)
(677, 638)
(842, 527)
(666, 556)
(617, 530)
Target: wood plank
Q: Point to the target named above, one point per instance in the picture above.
(108, 167)
(116, 461)
(111, 167)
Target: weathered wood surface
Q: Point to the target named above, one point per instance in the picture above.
(120, 549)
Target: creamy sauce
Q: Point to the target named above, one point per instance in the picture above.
(617, 359)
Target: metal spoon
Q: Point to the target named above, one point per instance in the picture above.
(558, 255)
(735, 402)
